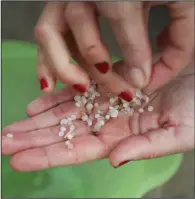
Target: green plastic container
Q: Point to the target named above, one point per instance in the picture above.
(96, 179)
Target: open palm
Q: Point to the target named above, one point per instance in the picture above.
(167, 130)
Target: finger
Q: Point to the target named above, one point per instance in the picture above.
(47, 102)
(126, 19)
(111, 83)
(178, 49)
(38, 138)
(83, 23)
(94, 53)
(50, 31)
(153, 144)
(45, 76)
(46, 119)
(86, 148)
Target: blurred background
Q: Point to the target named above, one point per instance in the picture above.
(18, 22)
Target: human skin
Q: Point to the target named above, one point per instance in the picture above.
(169, 129)
(72, 29)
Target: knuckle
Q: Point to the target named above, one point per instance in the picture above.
(41, 33)
(73, 13)
(60, 111)
(90, 50)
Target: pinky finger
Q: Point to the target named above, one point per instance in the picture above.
(46, 78)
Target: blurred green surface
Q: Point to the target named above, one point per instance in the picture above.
(96, 179)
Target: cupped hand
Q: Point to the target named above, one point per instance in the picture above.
(72, 29)
(169, 129)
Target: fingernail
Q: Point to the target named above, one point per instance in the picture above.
(122, 163)
(126, 96)
(95, 134)
(137, 77)
(102, 67)
(79, 87)
(43, 84)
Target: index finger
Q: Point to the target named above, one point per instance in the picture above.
(50, 32)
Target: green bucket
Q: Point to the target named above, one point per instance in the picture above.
(95, 179)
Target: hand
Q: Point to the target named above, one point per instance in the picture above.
(66, 29)
(35, 144)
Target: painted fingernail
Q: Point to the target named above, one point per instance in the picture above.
(126, 96)
(102, 67)
(95, 134)
(43, 84)
(79, 87)
(122, 163)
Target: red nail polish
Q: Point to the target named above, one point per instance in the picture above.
(43, 84)
(95, 134)
(80, 87)
(102, 67)
(126, 96)
(122, 163)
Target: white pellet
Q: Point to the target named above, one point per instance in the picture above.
(77, 104)
(101, 122)
(125, 104)
(73, 117)
(69, 144)
(107, 117)
(117, 107)
(141, 110)
(97, 94)
(138, 102)
(77, 98)
(9, 135)
(89, 122)
(63, 121)
(72, 127)
(84, 117)
(112, 100)
(96, 127)
(70, 136)
(86, 94)
(63, 128)
(61, 133)
(150, 108)
(89, 106)
(97, 116)
(69, 122)
(114, 113)
(145, 98)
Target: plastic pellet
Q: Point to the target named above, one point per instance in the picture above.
(97, 116)
(64, 121)
(141, 110)
(77, 104)
(89, 122)
(62, 128)
(72, 127)
(96, 104)
(9, 135)
(69, 144)
(61, 133)
(84, 117)
(73, 117)
(150, 108)
(89, 106)
(107, 117)
(77, 98)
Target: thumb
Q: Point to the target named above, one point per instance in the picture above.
(122, 69)
(153, 144)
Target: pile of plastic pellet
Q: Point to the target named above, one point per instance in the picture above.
(97, 118)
